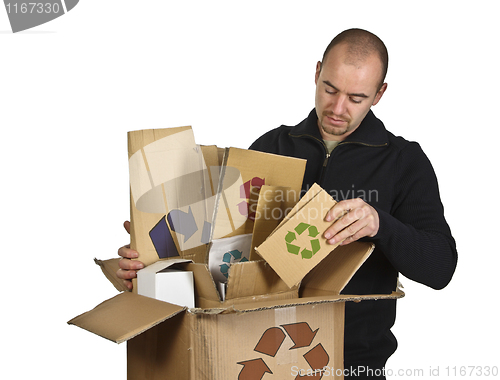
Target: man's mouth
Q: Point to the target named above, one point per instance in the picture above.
(336, 120)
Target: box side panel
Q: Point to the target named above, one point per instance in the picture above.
(284, 342)
(161, 352)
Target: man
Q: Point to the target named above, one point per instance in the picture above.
(385, 185)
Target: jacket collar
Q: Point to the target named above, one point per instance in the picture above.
(371, 131)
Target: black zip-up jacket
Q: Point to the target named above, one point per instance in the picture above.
(396, 178)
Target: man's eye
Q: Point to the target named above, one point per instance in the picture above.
(356, 101)
(331, 92)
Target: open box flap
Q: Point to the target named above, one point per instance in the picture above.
(162, 264)
(125, 316)
(333, 273)
(204, 285)
(253, 278)
(109, 268)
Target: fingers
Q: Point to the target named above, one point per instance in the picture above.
(128, 267)
(127, 252)
(352, 219)
(126, 224)
(126, 274)
(128, 284)
(128, 271)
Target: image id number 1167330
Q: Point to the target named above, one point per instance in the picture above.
(33, 7)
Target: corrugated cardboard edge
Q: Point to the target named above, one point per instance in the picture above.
(267, 305)
(223, 155)
(109, 268)
(118, 305)
(164, 264)
(115, 319)
(125, 322)
(313, 191)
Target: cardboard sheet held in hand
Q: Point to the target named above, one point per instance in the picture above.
(298, 245)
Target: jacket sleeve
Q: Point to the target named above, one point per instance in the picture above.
(415, 236)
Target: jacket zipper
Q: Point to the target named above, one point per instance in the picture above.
(323, 169)
(328, 155)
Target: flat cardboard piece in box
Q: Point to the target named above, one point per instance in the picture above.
(298, 245)
(183, 195)
(236, 210)
(310, 194)
(162, 282)
(172, 192)
(273, 204)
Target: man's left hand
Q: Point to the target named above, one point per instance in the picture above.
(352, 220)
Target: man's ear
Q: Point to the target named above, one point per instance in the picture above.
(318, 70)
(379, 94)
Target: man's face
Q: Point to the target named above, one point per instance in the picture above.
(345, 91)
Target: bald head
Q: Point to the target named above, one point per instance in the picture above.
(360, 44)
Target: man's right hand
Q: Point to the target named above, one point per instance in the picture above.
(128, 267)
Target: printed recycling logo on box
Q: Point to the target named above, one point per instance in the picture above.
(309, 250)
(272, 340)
(234, 256)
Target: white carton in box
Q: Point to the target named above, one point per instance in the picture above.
(166, 281)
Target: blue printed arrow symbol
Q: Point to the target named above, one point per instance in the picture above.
(182, 222)
(236, 254)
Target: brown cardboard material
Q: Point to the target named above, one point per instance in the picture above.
(256, 170)
(207, 192)
(246, 345)
(109, 268)
(215, 341)
(271, 323)
(298, 245)
(274, 203)
(248, 282)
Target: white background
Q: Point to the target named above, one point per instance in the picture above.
(72, 88)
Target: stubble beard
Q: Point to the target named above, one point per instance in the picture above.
(335, 131)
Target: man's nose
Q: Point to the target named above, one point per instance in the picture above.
(339, 105)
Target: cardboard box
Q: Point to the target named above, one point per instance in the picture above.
(264, 325)
(237, 338)
(168, 281)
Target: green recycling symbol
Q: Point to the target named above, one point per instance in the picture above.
(307, 252)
